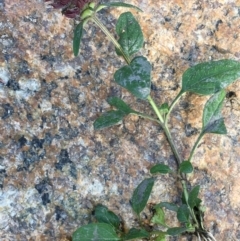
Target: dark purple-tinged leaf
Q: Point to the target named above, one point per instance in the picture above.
(212, 118)
(130, 34)
(103, 215)
(210, 77)
(160, 168)
(193, 199)
(108, 119)
(136, 77)
(186, 167)
(141, 195)
(183, 214)
(95, 232)
(136, 234)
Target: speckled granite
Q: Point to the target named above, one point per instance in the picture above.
(54, 167)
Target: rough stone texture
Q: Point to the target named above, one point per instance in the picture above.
(54, 167)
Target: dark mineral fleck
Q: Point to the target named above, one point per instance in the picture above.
(45, 199)
(63, 159)
(189, 130)
(7, 110)
(13, 85)
(43, 188)
(60, 214)
(22, 141)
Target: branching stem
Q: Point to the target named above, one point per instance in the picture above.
(165, 128)
(154, 106)
(172, 106)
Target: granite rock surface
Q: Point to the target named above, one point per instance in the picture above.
(54, 167)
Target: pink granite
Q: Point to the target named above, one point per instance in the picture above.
(54, 167)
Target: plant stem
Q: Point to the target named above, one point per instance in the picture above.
(170, 140)
(172, 106)
(185, 192)
(155, 108)
(111, 37)
(166, 130)
(195, 146)
(146, 117)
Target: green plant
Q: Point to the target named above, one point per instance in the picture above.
(209, 78)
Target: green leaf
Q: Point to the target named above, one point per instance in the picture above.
(141, 195)
(103, 215)
(210, 77)
(161, 236)
(113, 117)
(176, 231)
(186, 167)
(159, 216)
(130, 34)
(169, 206)
(117, 4)
(95, 232)
(212, 118)
(78, 32)
(183, 214)
(109, 118)
(164, 108)
(193, 199)
(134, 233)
(136, 77)
(160, 168)
(120, 104)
